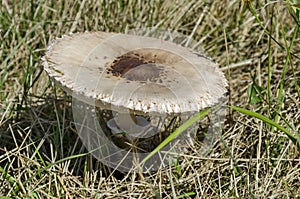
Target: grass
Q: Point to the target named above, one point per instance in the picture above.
(256, 44)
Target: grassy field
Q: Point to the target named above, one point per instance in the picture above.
(256, 44)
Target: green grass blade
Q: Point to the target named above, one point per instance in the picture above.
(6, 174)
(11, 179)
(65, 159)
(5, 197)
(268, 121)
(187, 195)
(176, 133)
(260, 22)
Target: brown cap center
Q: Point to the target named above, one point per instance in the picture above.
(135, 67)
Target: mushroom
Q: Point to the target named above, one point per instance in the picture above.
(134, 76)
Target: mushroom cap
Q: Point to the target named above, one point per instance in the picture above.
(147, 75)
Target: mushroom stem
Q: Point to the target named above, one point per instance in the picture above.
(133, 117)
(133, 126)
(126, 121)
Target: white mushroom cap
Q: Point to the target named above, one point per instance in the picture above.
(134, 72)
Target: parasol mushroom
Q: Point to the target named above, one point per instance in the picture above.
(134, 76)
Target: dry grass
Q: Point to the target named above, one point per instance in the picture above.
(41, 156)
